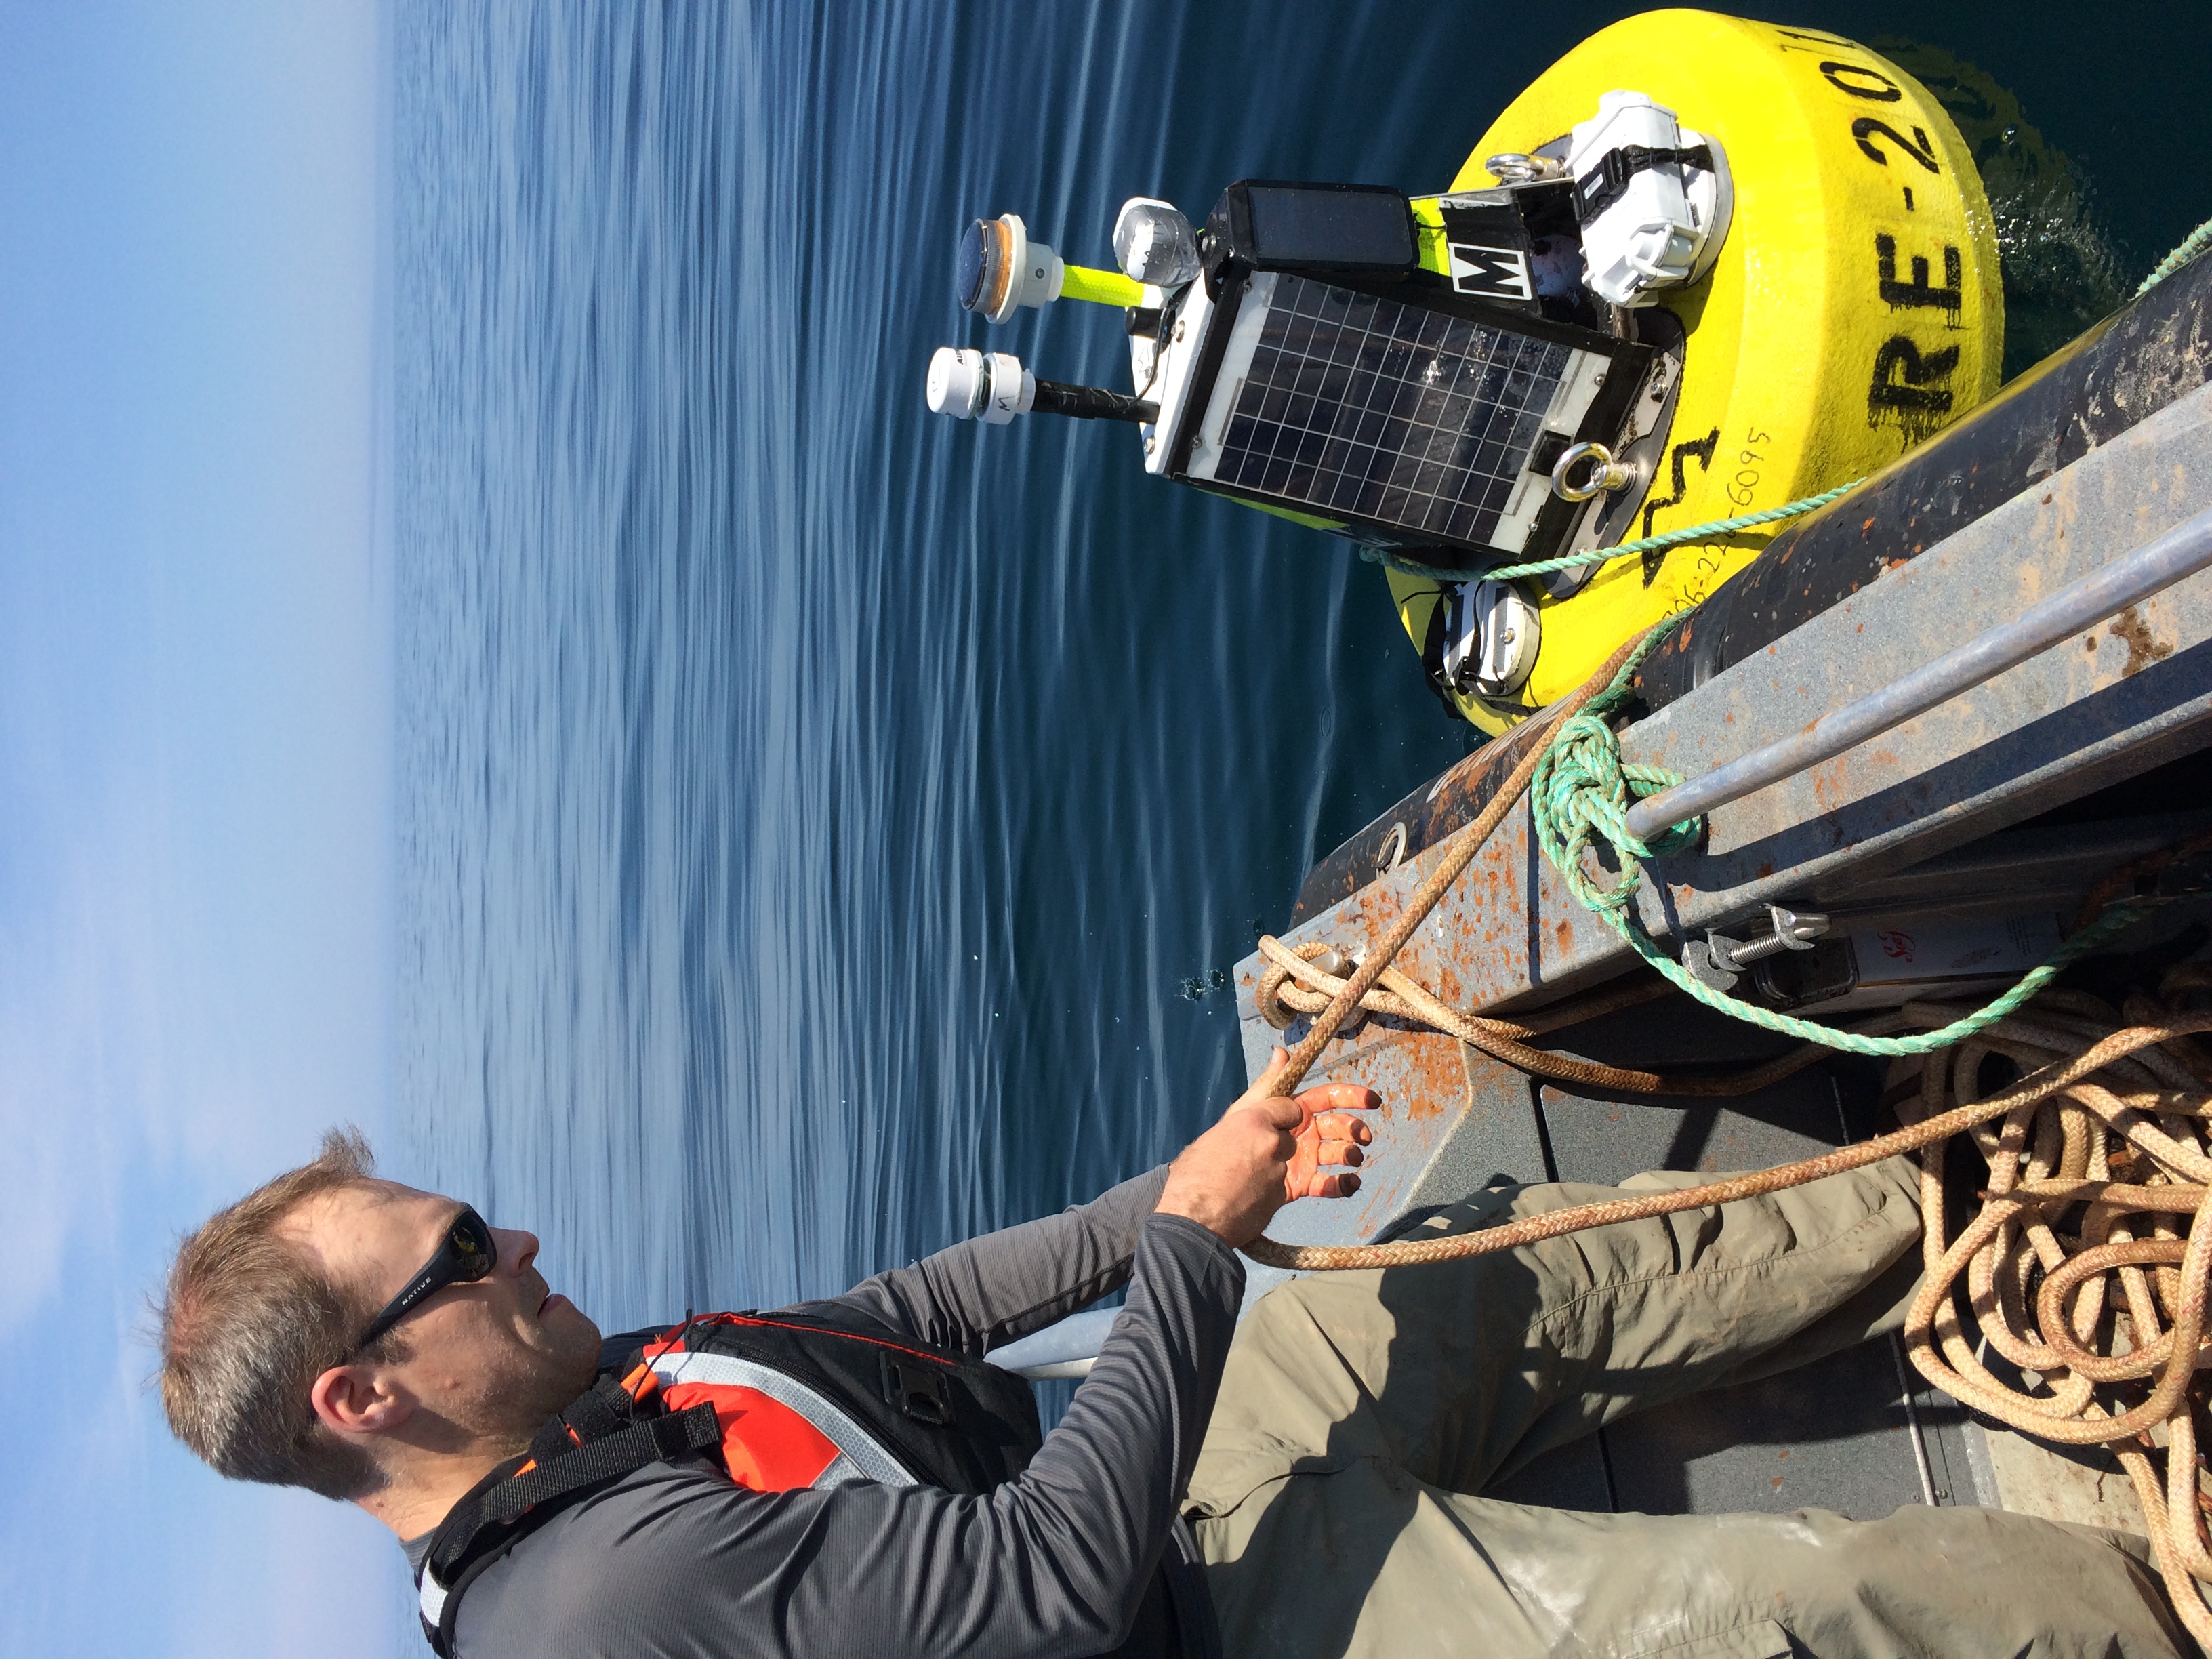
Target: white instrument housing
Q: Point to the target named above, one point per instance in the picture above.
(1665, 219)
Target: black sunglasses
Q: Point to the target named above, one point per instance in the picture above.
(466, 1254)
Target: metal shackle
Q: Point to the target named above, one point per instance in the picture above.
(1605, 472)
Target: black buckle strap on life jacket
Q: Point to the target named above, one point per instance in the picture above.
(1605, 183)
(602, 1409)
(597, 1440)
(654, 1440)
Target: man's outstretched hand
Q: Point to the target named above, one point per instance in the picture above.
(1266, 1151)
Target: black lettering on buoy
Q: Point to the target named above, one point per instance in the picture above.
(1919, 149)
(1493, 273)
(1702, 450)
(1907, 391)
(1918, 291)
(1888, 92)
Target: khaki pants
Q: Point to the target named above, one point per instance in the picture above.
(1361, 1411)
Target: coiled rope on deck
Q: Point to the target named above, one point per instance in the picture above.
(2086, 1266)
(2076, 1268)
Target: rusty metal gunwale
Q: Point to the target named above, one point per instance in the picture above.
(1919, 798)
(2156, 565)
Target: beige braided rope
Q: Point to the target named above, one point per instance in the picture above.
(2109, 1314)
(1408, 1252)
(1295, 986)
(1460, 850)
(2084, 1266)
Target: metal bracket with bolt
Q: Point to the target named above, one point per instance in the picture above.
(1719, 961)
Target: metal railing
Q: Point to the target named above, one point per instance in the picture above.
(2181, 552)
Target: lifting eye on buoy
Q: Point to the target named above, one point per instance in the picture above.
(1598, 469)
(1512, 167)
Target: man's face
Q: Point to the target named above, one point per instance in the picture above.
(490, 1361)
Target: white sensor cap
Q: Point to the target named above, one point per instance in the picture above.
(998, 270)
(990, 386)
(1037, 273)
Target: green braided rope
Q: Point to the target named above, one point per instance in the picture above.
(1581, 794)
(1696, 532)
(2194, 244)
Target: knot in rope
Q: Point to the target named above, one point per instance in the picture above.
(1581, 795)
(1582, 789)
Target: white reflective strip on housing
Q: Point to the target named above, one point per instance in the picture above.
(869, 1458)
(433, 1597)
(1177, 355)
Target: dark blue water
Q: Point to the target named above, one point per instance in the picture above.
(826, 829)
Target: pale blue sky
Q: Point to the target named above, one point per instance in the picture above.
(196, 828)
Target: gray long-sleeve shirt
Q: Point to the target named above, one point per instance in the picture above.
(675, 1560)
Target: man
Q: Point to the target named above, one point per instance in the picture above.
(1310, 1488)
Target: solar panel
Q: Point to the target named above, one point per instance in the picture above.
(1360, 407)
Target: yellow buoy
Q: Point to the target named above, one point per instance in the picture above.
(1854, 309)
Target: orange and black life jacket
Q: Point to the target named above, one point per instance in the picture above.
(781, 1401)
